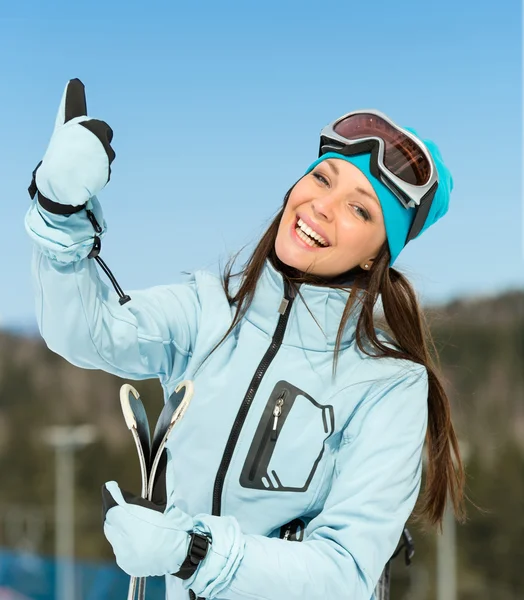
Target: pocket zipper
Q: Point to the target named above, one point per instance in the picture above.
(270, 434)
(277, 411)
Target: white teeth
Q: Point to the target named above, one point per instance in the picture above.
(305, 238)
(311, 233)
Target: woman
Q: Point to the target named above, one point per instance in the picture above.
(308, 422)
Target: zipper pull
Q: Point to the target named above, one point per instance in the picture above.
(277, 411)
(290, 291)
(283, 306)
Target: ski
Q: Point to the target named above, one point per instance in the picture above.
(151, 455)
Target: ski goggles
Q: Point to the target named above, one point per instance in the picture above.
(399, 159)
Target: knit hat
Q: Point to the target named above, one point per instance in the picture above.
(398, 219)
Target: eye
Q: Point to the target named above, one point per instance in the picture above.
(317, 175)
(363, 213)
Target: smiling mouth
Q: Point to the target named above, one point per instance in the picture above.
(304, 232)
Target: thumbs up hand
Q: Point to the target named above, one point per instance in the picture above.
(77, 163)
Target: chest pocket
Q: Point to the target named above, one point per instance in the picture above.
(289, 441)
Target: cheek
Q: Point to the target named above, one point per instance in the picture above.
(356, 236)
(294, 201)
(289, 214)
(302, 192)
(360, 239)
(349, 230)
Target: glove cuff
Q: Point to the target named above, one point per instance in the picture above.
(57, 208)
(53, 207)
(198, 547)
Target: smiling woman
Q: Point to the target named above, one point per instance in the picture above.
(336, 202)
(285, 478)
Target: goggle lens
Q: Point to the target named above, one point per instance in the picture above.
(402, 156)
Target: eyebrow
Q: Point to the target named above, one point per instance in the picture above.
(358, 189)
(366, 193)
(333, 166)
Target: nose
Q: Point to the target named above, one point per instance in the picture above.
(324, 207)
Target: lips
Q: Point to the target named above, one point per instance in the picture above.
(302, 243)
(314, 226)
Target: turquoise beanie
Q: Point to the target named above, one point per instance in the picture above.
(398, 219)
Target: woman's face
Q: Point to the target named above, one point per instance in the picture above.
(336, 201)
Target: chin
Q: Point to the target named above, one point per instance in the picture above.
(291, 258)
(287, 256)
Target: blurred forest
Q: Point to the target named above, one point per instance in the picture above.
(481, 348)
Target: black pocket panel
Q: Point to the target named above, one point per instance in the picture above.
(289, 441)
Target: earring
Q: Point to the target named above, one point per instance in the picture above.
(366, 266)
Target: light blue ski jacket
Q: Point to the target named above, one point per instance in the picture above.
(304, 505)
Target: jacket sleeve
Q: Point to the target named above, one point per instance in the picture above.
(376, 483)
(80, 318)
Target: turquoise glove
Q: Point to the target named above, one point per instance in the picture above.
(76, 165)
(147, 541)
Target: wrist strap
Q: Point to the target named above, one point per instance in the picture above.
(57, 208)
(198, 547)
(67, 209)
(52, 207)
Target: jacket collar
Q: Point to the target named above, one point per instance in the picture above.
(326, 305)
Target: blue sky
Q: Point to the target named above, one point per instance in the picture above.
(217, 107)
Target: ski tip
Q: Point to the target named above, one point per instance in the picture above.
(188, 394)
(188, 384)
(129, 416)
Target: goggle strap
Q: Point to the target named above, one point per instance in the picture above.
(422, 213)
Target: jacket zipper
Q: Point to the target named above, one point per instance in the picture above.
(276, 342)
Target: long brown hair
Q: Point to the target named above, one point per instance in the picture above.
(412, 340)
